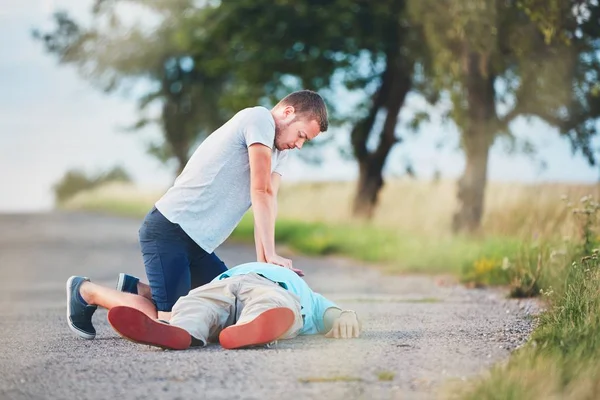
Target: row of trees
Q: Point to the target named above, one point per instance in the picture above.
(486, 62)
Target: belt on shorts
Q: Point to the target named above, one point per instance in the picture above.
(283, 285)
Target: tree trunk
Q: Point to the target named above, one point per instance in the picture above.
(395, 85)
(477, 137)
(370, 182)
(175, 133)
(370, 167)
(471, 186)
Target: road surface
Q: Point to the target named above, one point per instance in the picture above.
(417, 335)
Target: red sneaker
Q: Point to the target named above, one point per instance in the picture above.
(136, 326)
(265, 328)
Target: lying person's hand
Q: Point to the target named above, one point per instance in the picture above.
(346, 326)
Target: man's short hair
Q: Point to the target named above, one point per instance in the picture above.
(309, 104)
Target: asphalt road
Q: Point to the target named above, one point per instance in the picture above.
(417, 334)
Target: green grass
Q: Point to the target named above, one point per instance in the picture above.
(561, 359)
(385, 376)
(395, 250)
(399, 251)
(132, 209)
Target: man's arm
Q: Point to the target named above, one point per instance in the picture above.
(263, 204)
(341, 323)
(275, 181)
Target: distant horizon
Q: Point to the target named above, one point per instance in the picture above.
(158, 190)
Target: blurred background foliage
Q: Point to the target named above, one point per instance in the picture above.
(486, 62)
(76, 181)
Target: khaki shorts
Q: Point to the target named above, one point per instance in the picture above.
(207, 310)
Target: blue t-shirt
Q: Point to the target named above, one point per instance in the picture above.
(313, 304)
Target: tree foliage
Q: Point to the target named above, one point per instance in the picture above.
(490, 61)
(250, 51)
(324, 45)
(499, 60)
(115, 55)
(75, 181)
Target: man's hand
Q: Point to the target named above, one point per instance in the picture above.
(284, 262)
(346, 326)
(278, 260)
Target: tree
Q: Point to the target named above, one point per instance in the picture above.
(114, 55)
(363, 46)
(388, 45)
(75, 181)
(251, 51)
(530, 57)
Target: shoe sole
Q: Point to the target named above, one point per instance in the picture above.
(267, 327)
(73, 328)
(134, 325)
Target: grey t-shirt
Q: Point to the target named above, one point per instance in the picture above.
(212, 193)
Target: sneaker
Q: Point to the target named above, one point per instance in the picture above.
(127, 283)
(264, 329)
(136, 326)
(79, 315)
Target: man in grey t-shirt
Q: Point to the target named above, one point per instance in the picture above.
(238, 165)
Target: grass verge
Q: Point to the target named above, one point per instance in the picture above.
(399, 251)
(560, 361)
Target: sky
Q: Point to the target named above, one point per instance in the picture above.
(51, 121)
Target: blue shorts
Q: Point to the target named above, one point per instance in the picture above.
(174, 263)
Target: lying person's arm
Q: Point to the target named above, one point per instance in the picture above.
(341, 324)
(330, 320)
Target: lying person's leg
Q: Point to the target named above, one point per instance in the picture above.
(207, 310)
(108, 298)
(196, 318)
(269, 313)
(84, 297)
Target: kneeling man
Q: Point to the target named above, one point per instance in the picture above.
(251, 304)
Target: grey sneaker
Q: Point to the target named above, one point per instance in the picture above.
(127, 283)
(79, 315)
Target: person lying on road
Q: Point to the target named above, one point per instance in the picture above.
(252, 304)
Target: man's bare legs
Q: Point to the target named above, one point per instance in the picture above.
(94, 294)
